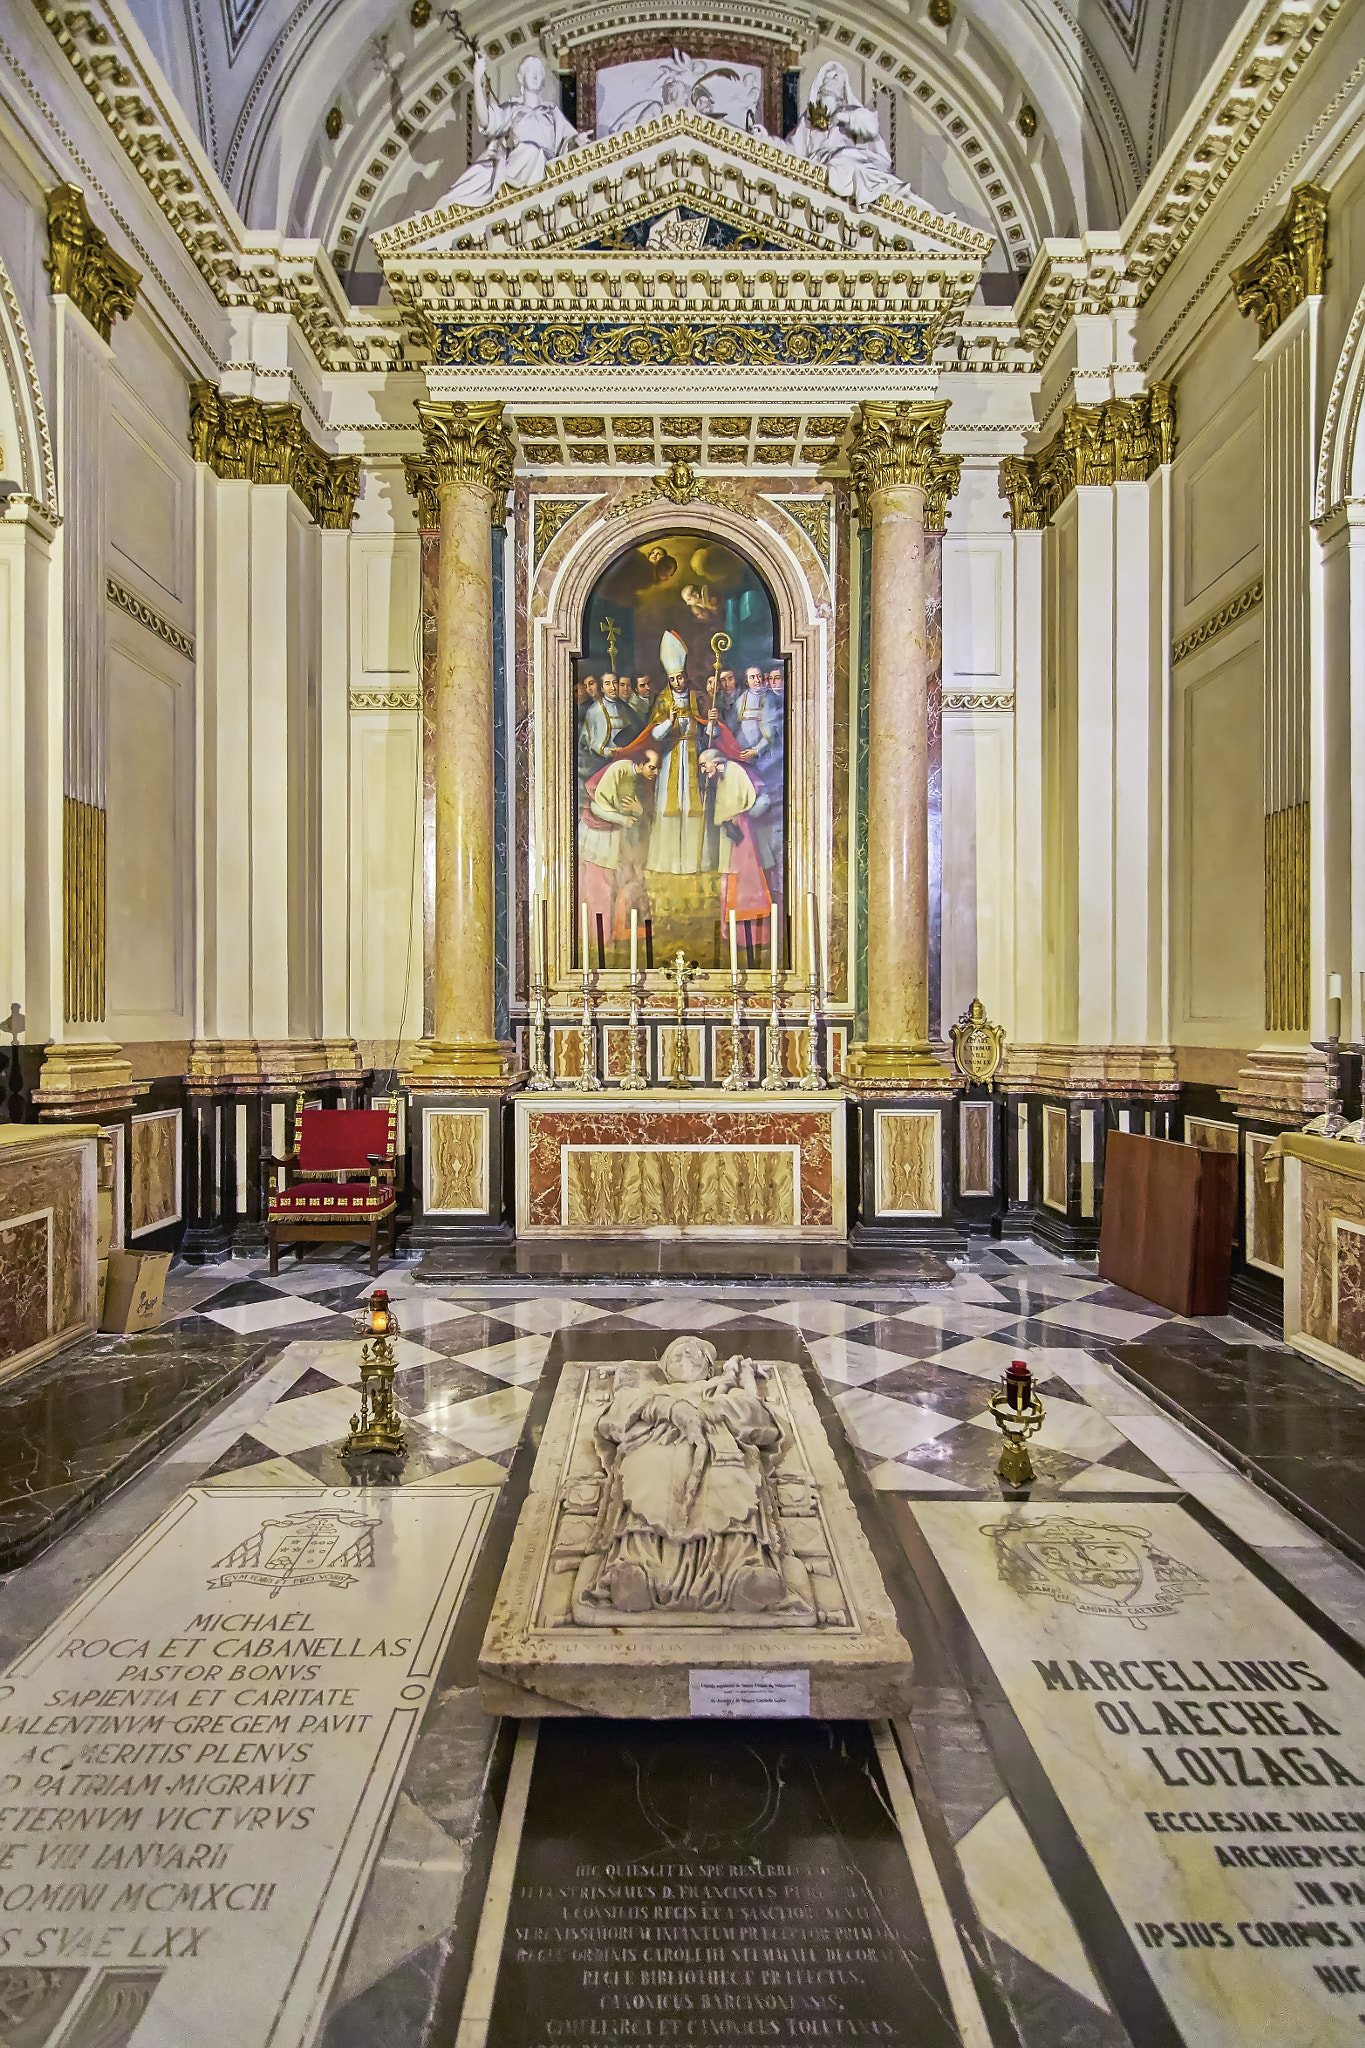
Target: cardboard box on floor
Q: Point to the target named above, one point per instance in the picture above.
(133, 1289)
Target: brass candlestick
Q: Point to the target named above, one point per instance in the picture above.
(540, 1077)
(774, 1079)
(814, 1074)
(633, 1078)
(588, 1081)
(376, 1427)
(680, 973)
(736, 1078)
(1018, 1412)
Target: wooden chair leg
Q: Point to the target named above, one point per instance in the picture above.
(274, 1247)
(299, 1249)
(374, 1249)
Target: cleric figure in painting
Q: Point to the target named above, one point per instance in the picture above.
(688, 1523)
(681, 800)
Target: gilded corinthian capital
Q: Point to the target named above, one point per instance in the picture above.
(1290, 265)
(82, 265)
(468, 444)
(899, 444)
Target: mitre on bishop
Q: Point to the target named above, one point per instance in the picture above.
(673, 654)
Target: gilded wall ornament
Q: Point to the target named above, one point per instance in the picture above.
(812, 515)
(978, 1045)
(898, 445)
(648, 344)
(1290, 265)
(82, 265)
(682, 486)
(548, 516)
(419, 473)
(1122, 441)
(246, 440)
(138, 608)
(468, 444)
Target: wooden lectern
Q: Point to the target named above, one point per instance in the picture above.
(1169, 1212)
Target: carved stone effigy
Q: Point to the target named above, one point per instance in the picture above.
(686, 1517)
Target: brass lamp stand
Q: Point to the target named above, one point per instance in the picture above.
(376, 1427)
(1018, 1412)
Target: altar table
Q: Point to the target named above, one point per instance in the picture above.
(682, 1163)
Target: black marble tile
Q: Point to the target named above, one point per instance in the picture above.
(438, 1383)
(310, 1382)
(947, 1393)
(464, 1332)
(427, 1455)
(248, 1450)
(1295, 1427)
(678, 1259)
(910, 1340)
(81, 1424)
(738, 1881)
(968, 1457)
(239, 1293)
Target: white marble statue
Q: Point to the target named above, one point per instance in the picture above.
(723, 92)
(523, 136)
(688, 1521)
(838, 131)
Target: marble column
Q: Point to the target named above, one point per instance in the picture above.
(896, 462)
(471, 453)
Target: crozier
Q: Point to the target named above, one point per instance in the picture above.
(687, 1515)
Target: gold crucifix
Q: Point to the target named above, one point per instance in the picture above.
(612, 634)
(680, 973)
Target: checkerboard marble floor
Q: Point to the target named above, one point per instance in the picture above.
(910, 1374)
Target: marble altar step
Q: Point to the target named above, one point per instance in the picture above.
(718, 1265)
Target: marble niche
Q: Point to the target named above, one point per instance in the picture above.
(48, 1220)
(688, 1547)
(1324, 1250)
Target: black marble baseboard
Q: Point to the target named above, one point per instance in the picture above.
(718, 1265)
(1293, 1427)
(80, 1425)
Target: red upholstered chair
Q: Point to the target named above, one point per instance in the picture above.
(340, 1184)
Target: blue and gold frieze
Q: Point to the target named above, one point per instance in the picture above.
(647, 344)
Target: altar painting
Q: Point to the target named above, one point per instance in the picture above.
(681, 745)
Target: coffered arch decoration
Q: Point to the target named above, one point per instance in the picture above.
(560, 587)
(25, 438)
(1341, 458)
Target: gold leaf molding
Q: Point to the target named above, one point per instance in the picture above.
(1290, 265)
(82, 265)
(246, 439)
(1121, 441)
(1218, 622)
(899, 445)
(137, 609)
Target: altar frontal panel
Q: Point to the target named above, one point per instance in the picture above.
(702, 1167)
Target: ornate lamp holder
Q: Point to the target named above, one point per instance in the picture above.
(376, 1427)
(1018, 1413)
(774, 1080)
(736, 1079)
(634, 1078)
(680, 973)
(540, 1078)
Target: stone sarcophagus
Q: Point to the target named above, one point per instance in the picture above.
(687, 1516)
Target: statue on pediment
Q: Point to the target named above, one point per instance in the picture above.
(523, 136)
(629, 95)
(689, 1521)
(840, 133)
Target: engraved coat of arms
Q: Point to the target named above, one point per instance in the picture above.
(1101, 1568)
(315, 1548)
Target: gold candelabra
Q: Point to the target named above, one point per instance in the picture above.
(680, 973)
(540, 1077)
(1018, 1413)
(376, 1427)
(774, 1079)
(813, 1077)
(588, 1081)
(736, 1078)
(634, 1078)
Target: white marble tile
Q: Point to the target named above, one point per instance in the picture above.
(1112, 1479)
(983, 1358)
(487, 1424)
(1248, 1512)
(548, 1313)
(1037, 1255)
(818, 1312)
(894, 1478)
(681, 1312)
(1157, 1617)
(1123, 1324)
(428, 1311)
(959, 1318)
(874, 1422)
(1055, 1283)
(303, 1278)
(1014, 1895)
(519, 1360)
(853, 1364)
(1233, 1330)
(372, 1577)
(309, 1420)
(1169, 1447)
(1068, 1426)
(280, 1312)
(268, 1472)
(1096, 1382)
(976, 1287)
(340, 1358)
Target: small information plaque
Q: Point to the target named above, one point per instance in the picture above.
(749, 1695)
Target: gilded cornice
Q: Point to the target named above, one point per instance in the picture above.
(81, 264)
(1122, 441)
(468, 444)
(1290, 265)
(900, 445)
(247, 440)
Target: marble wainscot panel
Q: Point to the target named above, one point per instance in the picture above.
(1324, 1250)
(698, 1164)
(687, 1523)
(155, 1159)
(1207, 1746)
(199, 1756)
(48, 1227)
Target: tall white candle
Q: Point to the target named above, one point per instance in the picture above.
(585, 961)
(810, 936)
(734, 957)
(634, 938)
(537, 960)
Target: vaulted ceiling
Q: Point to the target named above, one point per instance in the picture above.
(1026, 118)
